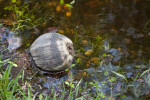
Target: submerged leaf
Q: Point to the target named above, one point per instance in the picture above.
(94, 59)
(68, 13)
(84, 41)
(80, 56)
(58, 8)
(61, 31)
(89, 52)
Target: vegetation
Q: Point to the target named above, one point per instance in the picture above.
(101, 70)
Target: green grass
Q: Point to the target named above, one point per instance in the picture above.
(8, 86)
(11, 90)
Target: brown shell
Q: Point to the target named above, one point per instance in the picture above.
(52, 52)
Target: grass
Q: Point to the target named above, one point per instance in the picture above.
(11, 90)
(69, 90)
(8, 86)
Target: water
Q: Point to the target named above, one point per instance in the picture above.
(123, 26)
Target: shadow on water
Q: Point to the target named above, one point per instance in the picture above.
(124, 26)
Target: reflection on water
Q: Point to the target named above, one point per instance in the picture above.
(125, 24)
(13, 40)
(14, 43)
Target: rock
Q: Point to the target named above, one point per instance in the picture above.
(52, 52)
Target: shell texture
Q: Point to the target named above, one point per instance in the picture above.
(52, 52)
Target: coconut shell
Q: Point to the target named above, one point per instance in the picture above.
(52, 52)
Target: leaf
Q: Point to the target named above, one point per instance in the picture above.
(13, 1)
(58, 8)
(68, 13)
(61, 31)
(94, 59)
(80, 56)
(84, 74)
(120, 75)
(89, 52)
(69, 5)
(15, 65)
(84, 41)
(61, 2)
(8, 21)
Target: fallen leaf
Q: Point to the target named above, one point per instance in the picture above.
(84, 73)
(89, 52)
(52, 3)
(58, 8)
(84, 41)
(94, 59)
(68, 13)
(68, 81)
(8, 21)
(61, 31)
(80, 56)
(65, 7)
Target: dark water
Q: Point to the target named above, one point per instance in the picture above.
(124, 26)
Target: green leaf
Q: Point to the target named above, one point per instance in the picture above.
(120, 75)
(69, 5)
(13, 1)
(61, 2)
(67, 83)
(15, 65)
